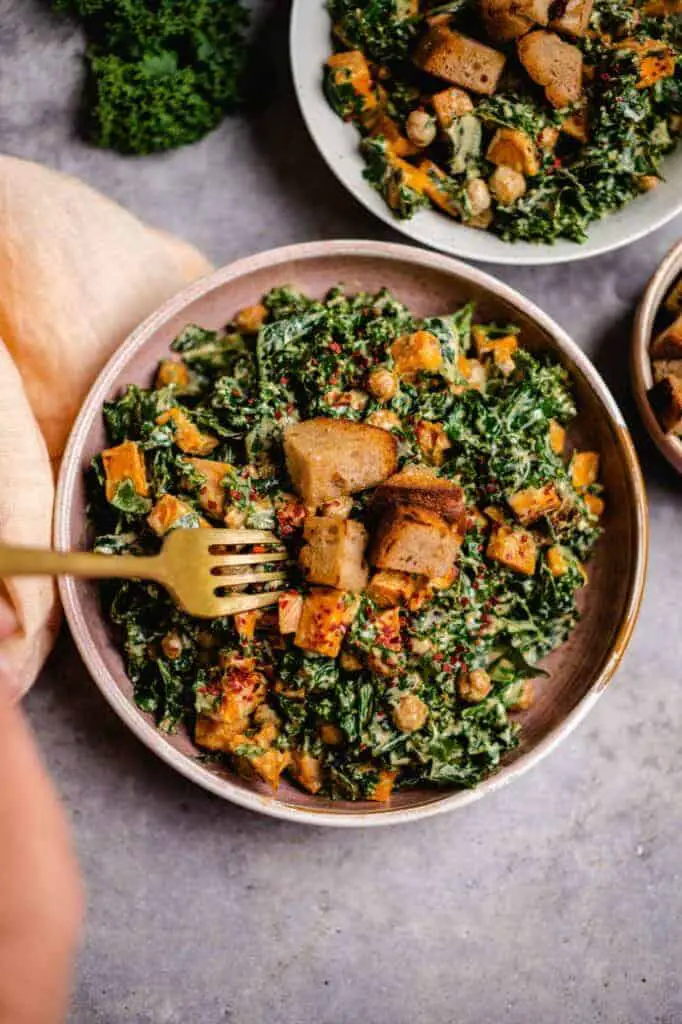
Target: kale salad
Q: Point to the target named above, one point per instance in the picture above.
(418, 472)
(528, 118)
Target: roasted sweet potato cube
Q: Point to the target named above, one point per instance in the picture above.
(351, 68)
(532, 503)
(553, 64)
(458, 59)
(398, 143)
(595, 505)
(510, 147)
(666, 401)
(289, 609)
(513, 548)
(584, 469)
(414, 352)
(250, 319)
(324, 621)
(169, 513)
(557, 437)
(188, 437)
(557, 562)
(334, 554)
(656, 66)
(501, 349)
(384, 787)
(329, 458)
(242, 691)
(212, 492)
(125, 462)
(574, 18)
(419, 485)
(307, 770)
(414, 540)
(449, 104)
(668, 344)
(172, 371)
(434, 183)
(388, 588)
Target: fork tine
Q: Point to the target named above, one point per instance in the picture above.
(248, 559)
(232, 579)
(244, 602)
(225, 538)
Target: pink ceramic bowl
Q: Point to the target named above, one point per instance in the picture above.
(428, 283)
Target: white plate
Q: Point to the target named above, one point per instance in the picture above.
(337, 141)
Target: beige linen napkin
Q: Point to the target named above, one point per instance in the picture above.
(77, 273)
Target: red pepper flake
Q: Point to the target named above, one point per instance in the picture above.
(335, 347)
(439, 657)
(284, 380)
(557, 163)
(278, 414)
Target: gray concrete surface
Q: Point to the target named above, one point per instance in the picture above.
(558, 899)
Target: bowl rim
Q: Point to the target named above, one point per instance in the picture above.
(640, 360)
(72, 466)
(508, 253)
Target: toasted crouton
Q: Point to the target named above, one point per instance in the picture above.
(667, 368)
(673, 303)
(388, 588)
(212, 492)
(509, 19)
(334, 554)
(668, 344)
(513, 548)
(532, 503)
(125, 462)
(510, 147)
(449, 104)
(554, 64)
(324, 621)
(417, 485)
(573, 18)
(414, 540)
(458, 59)
(666, 401)
(328, 458)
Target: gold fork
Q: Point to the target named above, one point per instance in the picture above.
(193, 565)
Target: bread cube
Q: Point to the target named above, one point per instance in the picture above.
(668, 344)
(388, 589)
(324, 621)
(513, 548)
(532, 503)
(414, 540)
(509, 19)
(584, 469)
(188, 437)
(414, 352)
(510, 147)
(125, 462)
(553, 64)
(419, 485)
(334, 554)
(460, 60)
(329, 458)
(574, 18)
(212, 492)
(666, 401)
(270, 764)
(168, 514)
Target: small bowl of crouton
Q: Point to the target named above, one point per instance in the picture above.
(656, 357)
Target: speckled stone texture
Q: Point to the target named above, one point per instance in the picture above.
(558, 899)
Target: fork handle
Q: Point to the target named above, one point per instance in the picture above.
(16, 561)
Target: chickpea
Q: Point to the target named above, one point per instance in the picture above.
(526, 697)
(172, 645)
(478, 195)
(234, 518)
(473, 686)
(507, 185)
(410, 714)
(384, 419)
(482, 221)
(331, 735)
(382, 384)
(339, 508)
(648, 182)
(420, 128)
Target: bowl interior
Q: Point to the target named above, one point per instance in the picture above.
(647, 323)
(338, 145)
(429, 284)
